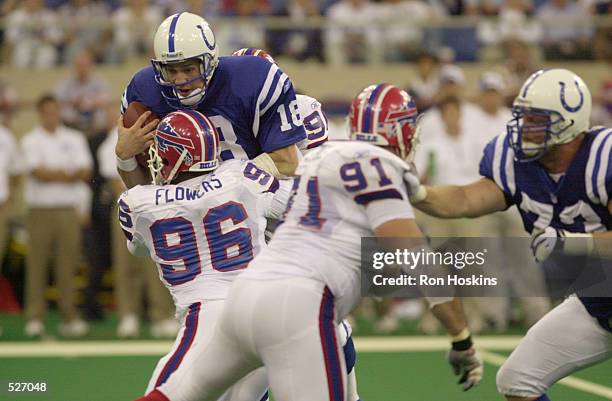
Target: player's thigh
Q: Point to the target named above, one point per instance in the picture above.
(252, 387)
(194, 336)
(565, 340)
(216, 366)
(298, 341)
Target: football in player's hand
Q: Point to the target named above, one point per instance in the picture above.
(131, 114)
(135, 110)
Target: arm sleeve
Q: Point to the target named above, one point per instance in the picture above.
(130, 94)
(279, 199)
(270, 191)
(315, 123)
(127, 220)
(486, 161)
(277, 123)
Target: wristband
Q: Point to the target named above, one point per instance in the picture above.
(463, 345)
(420, 195)
(127, 165)
(462, 341)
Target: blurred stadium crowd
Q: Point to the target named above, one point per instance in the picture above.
(44, 33)
(82, 34)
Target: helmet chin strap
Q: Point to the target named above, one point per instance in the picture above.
(193, 98)
(177, 165)
(531, 148)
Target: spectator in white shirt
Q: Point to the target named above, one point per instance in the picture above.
(11, 167)
(567, 30)
(494, 115)
(58, 163)
(33, 32)
(425, 86)
(353, 37)
(134, 25)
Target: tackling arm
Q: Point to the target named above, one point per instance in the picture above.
(454, 201)
(286, 160)
(130, 142)
(463, 357)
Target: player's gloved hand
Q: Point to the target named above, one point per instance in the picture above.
(416, 191)
(544, 242)
(466, 362)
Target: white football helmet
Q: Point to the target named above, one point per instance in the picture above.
(181, 37)
(564, 102)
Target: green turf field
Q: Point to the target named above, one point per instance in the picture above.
(388, 368)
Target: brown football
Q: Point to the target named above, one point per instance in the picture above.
(131, 114)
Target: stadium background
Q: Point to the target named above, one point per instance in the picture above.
(383, 41)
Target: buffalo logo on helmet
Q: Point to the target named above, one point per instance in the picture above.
(168, 138)
(185, 141)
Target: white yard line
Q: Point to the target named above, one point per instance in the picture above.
(69, 349)
(118, 348)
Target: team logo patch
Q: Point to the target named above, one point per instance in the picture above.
(211, 46)
(564, 103)
(167, 138)
(402, 115)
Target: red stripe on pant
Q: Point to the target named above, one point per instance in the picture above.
(327, 333)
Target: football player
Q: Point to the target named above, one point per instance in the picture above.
(250, 101)
(557, 171)
(282, 311)
(316, 127)
(201, 222)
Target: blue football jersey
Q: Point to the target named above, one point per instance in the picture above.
(250, 101)
(577, 202)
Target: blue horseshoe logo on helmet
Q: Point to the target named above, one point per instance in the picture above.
(564, 103)
(208, 44)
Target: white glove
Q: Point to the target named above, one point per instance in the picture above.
(467, 364)
(544, 242)
(416, 191)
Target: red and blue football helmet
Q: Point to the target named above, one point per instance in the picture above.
(386, 116)
(251, 51)
(185, 141)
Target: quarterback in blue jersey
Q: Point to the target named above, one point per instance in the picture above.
(250, 101)
(556, 169)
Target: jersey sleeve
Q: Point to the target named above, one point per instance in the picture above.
(273, 194)
(130, 94)
(315, 123)
(127, 220)
(497, 164)
(373, 181)
(277, 123)
(598, 171)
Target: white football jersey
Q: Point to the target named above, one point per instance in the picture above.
(202, 232)
(314, 121)
(344, 190)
